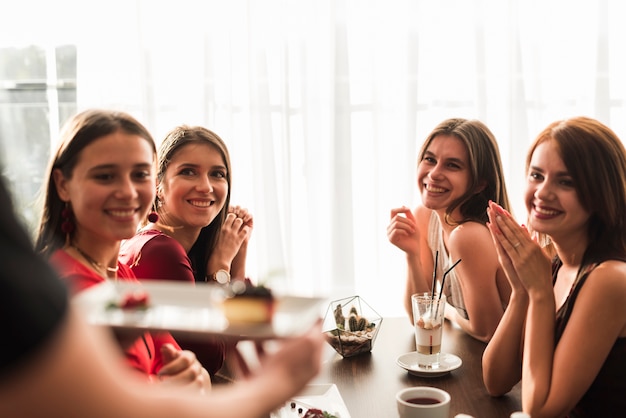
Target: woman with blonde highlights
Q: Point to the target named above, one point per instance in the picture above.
(458, 173)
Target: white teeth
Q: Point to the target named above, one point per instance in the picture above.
(202, 204)
(122, 213)
(545, 211)
(435, 189)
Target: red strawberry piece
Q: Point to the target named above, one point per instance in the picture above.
(133, 300)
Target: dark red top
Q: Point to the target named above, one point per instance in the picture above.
(145, 353)
(153, 255)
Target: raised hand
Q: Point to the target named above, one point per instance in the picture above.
(244, 214)
(402, 230)
(520, 255)
(230, 252)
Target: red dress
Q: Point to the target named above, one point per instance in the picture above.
(145, 353)
(153, 255)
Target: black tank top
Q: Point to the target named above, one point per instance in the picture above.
(606, 397)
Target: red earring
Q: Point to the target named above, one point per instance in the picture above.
(153, 217)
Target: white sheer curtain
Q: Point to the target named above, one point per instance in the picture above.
(324, 104)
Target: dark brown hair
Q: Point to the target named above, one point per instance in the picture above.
(77, 133)
(173, 142)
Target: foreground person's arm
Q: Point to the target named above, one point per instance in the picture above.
(78, 373)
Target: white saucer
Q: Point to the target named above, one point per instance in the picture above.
(447, 363)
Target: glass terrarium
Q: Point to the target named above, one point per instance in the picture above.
(351, 326)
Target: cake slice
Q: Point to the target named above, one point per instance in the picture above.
(249, 304)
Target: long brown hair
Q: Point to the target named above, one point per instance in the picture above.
(77, 133)
(485, 169)
(177, 138)
(595, 158)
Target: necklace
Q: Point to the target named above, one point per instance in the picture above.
(94, 263)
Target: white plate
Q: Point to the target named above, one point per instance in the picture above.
(192, 310)
(325, 397)
(447, 363)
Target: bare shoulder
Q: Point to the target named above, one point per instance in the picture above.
(470, 234)
(472, 241)
(606, 288)
(608, 279)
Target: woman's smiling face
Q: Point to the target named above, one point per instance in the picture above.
(551, 197)
(194, 187)
(111, 187)
(443, 174)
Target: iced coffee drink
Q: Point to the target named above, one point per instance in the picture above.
(428, 317)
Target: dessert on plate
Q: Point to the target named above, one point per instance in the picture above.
(249, 304)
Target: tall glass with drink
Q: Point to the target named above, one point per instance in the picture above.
(428, 317)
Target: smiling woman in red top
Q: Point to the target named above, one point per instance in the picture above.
(196, 233)
(196, 236)
(100, 186)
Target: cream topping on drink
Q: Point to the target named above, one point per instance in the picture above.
(428, 335)
(428, 323)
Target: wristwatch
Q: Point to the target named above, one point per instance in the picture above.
(221, 276)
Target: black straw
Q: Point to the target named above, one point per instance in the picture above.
(432, 289)
(443, 279)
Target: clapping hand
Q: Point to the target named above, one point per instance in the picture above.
(524, 261)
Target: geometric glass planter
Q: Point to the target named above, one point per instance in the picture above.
(351, 326)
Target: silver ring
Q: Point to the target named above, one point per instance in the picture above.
(517, 245)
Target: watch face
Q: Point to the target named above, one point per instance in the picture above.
(222, 277)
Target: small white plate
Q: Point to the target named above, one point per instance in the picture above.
(447, 363)
(325, 397)
(192, 310)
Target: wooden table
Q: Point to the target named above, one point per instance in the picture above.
(368, 382)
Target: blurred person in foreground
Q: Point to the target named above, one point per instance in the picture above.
(564, 331)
